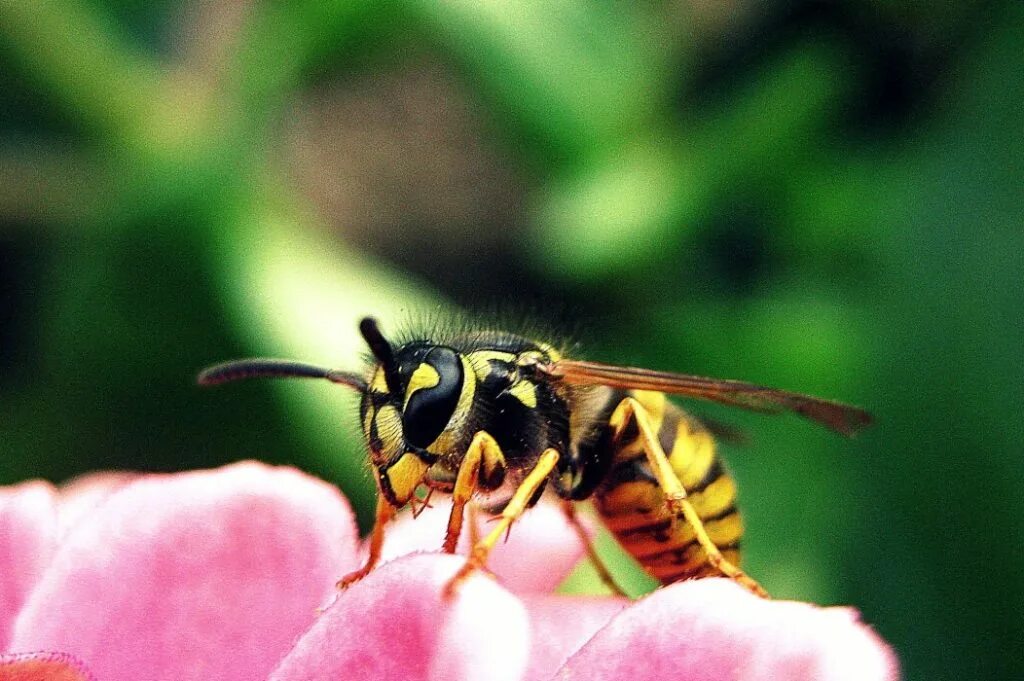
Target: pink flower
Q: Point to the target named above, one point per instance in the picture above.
(229, 574)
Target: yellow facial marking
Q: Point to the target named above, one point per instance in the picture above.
(389, 420)
(445, 441)
(424, 377)
(378, 384)
(525, 392)
(389, 430)
(405, 476)
(368, 420)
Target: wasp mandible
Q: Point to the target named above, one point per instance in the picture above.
(498, 416)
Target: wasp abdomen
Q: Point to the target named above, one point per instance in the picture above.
(634, 506)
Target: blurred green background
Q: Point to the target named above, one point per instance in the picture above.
(826, 197)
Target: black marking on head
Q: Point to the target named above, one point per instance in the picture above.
(429, 409)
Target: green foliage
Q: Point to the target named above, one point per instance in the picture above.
(824, 199)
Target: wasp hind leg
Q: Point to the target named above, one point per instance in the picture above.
(569, 509)
(385, 512)
(483, 456)
(675, 492)
(521, 499)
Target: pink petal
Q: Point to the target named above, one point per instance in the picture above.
(194, 576)
(561, 624)
(82, 495)
(28, 538)
(714, 629)
(42, 667)
(541, 551)
(395, 624)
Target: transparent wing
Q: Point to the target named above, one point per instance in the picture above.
(841, 418)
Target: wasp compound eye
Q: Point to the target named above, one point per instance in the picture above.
(431, 396)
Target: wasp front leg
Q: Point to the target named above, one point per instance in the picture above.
(675, 493)
(524, 494)
(484, 458)
(385, 512)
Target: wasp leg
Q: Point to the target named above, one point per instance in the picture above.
(385, 512)
(483, 453)
(675, 493)
(569, 508)
(474, 523)
(524, 494)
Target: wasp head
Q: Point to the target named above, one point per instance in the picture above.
(413, 410)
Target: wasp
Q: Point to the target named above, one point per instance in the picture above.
(496, 417)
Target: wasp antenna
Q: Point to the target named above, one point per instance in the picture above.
(346, 378)
(381, 349)
(275, 368)
(379, 345)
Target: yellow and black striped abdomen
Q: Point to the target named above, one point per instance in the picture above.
(634, 508)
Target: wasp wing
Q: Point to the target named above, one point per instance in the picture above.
(841, 418)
